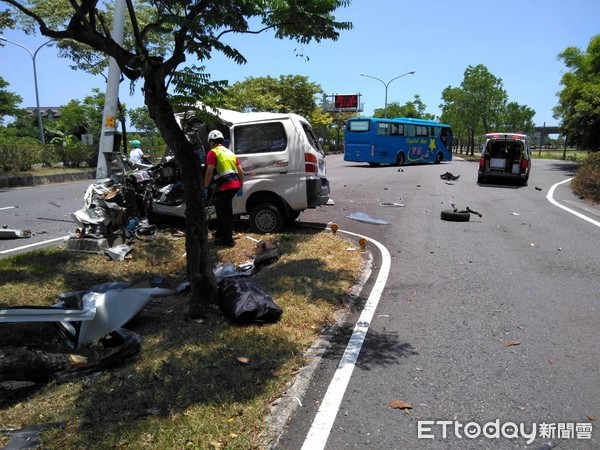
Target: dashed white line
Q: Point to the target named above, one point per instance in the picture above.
(550, 198)
(323, 422)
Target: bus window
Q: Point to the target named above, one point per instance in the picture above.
(358, 126)
(422, 130)
(397, 129)
(383, 129)
(410, 130)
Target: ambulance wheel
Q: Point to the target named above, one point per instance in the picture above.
(266, 218)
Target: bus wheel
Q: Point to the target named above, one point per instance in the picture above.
(400, 159)
(438, 158)
(455, 216)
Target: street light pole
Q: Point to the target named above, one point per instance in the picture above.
(37, 97)
(386, 86)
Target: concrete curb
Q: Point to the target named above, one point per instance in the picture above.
(37, 180)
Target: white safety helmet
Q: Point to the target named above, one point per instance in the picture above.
(214, 135)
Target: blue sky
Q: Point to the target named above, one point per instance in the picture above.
(517, 40)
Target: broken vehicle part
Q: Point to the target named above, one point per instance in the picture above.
(7, 233)
(449, 177)
(86, 316)
(363, 217)
(118, 253)
(113, 308)
(455, 215)
(400, 205)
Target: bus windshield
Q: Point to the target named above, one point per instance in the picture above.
(397, 141)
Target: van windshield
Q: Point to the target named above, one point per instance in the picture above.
(312, 138)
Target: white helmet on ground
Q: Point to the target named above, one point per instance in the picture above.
(214, 135)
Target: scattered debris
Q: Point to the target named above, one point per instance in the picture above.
(515, 214)
(537, 188)
(28, 437)
(511, 343)
(363, 217)
(84, 317)
(400, 205)
(7, 233)
(119, 252)
(455, 215)
(449, 177)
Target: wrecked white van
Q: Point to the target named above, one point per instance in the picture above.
(284, 166)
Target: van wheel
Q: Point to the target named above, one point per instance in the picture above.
(400, 159)
(266, 218)
(438, 158)
(455, 216)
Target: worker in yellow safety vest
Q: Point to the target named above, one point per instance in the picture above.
(229, 177)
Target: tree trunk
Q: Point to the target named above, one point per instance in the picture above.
(199, 266)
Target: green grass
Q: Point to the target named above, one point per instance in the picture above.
(197, 383)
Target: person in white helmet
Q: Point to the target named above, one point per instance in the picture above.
(229, 177)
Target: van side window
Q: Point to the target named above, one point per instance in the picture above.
(312, 138)
(260, 138)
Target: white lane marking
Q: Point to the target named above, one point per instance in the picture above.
(319, 431)
(7, 207)
(550, 198)
(49, 241)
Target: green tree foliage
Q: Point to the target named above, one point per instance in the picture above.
(515, 117)
(480, 105)
(195, 29)
(24, 125)
(9, 101)
(286, 94)
(579, 100)
(415, 109)
(141, 120)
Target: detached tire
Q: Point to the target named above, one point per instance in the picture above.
(266, 218)
(455, 216)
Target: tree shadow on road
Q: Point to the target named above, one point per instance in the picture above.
(378, 349)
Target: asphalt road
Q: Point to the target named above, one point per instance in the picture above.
(490, 322)
(43, 210)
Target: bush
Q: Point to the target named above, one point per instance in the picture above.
(586, 183)
(75, 154)
(19, 154)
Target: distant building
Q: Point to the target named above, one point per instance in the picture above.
(48, 112)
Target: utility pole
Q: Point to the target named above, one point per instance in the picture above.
(111, 99)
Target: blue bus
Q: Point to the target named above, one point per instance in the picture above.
(397, 141)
